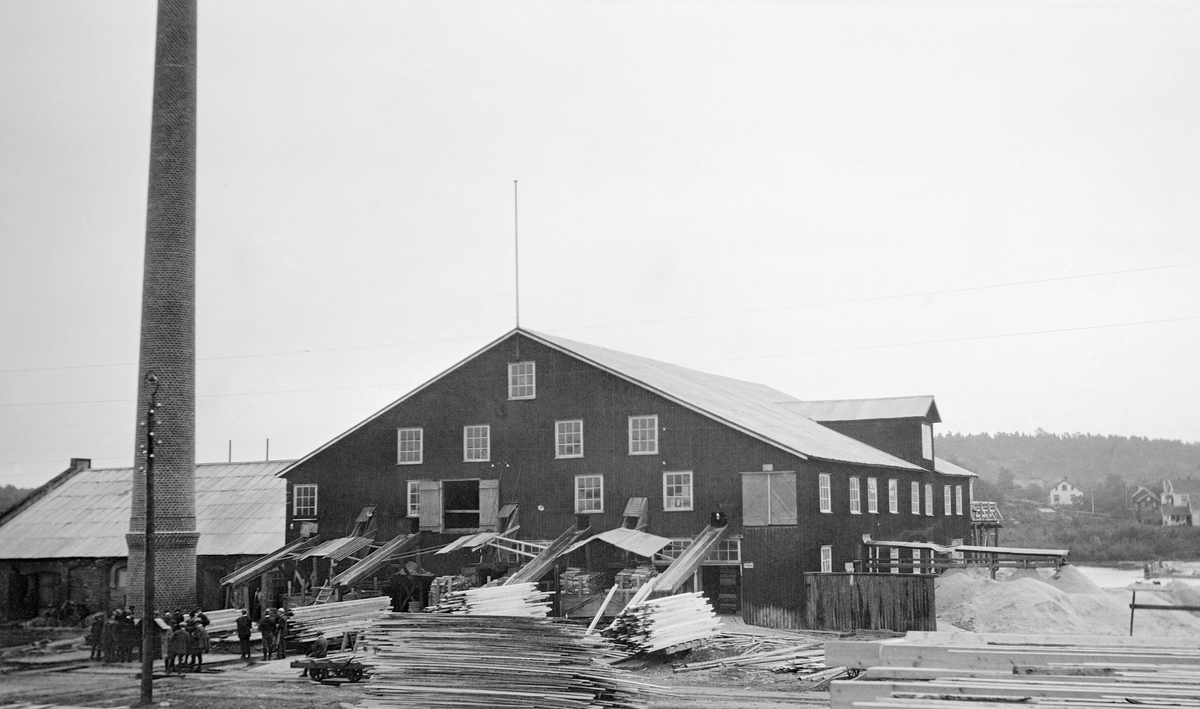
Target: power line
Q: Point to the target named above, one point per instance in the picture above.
(949, 340)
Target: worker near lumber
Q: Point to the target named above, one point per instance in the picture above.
(200, 645)
(266, 626)
(243, 623)
(281, 623)
(178, 647)
(319, 649)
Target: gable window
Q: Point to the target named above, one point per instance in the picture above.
(827, 559)
(873, 495)
(946, 500)
(894, 496)
(916, 498)
(958, 499)
(825, 493)
(926, 441)
(677, 491)
(304, 501)
(477, 443)
(522, 382)
(855, 504)
(768, 498)
(568, 439)
(589, 494)
(414, 498)
(928, 500)
(643, 435)
(409, 444)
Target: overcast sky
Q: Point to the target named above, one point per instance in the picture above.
(992, 202)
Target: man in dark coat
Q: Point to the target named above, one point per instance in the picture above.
(266, 626)
(243, 632)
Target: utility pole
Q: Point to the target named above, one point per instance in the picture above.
(148, 626)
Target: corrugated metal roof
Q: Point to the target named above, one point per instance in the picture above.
(240, 509)
(755, 409)
(896, 407)
(945, 467)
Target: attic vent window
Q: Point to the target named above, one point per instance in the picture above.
(522, 380)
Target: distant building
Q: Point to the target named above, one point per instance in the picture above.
(1147, 505)
(1064, 492)
(65, 542)
(1180, 502)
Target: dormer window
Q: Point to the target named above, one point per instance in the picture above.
(926, 441)
(522, 381)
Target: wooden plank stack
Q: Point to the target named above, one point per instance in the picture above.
(222, 625)
(521, 599)
(931, 670)
(449, 660)
(333, 619)
(665, 624)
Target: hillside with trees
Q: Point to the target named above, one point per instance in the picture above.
(10, 495)
(1086, 459)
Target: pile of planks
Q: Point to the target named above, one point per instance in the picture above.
(222, 625)
(447, 660)
(333, 619)
(520, 599)
(764, 653)
(666, 624)
(930, 670)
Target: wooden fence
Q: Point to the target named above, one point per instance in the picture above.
(850, 601)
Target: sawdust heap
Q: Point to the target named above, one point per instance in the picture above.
(1066, 603)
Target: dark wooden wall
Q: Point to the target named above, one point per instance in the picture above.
(899, 602)
(900, 437)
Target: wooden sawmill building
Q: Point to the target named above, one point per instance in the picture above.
(541, 434)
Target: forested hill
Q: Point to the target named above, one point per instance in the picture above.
(1081, 457)
(10, 496)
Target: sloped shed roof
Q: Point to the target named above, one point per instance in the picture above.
(895, 407)
(239, 510)
(945, 467)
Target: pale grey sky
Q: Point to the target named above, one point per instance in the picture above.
(995, 203)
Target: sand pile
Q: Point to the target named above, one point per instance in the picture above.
(1067, 603)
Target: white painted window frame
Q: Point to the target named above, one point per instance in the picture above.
(517, 384)
(468, 437)
(873, 496)
(894, 496)
(420, 448)
(825, 494)
(297, 490)
(560, 434)
(598, 501)
(688, 499)
(855, 497)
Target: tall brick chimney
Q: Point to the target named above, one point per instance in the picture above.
(168, 338)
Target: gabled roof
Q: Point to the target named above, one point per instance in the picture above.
(1184, 485)
(895, 407)
(754, 409)
(239, 510)
(1064, 480)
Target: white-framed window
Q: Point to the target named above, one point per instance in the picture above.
(855, 503)
(727, 551)
(916, 561)
(409, 445)
(946, 500)
(414, 498)
(827, 559)
(958, 506)
(894, 496)
(477, 443)
(589, 494)
(304, 501)
(522, 380)
(927, 441)
(873, 495)
(916, 498)
(643, 435)
(568, 439)
(677, 491)
(928, 500)
(824, 492)
(894, 553)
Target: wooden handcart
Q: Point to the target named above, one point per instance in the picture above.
(323, 668)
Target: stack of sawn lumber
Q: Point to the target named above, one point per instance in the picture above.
(943, 670)
(333, 619)
(520, 599)
(448, 660)
(773, 654)
(665, 623)
(222, 625)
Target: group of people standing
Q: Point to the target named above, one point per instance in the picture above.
(273, 628)
(184, 641)
(114, 636)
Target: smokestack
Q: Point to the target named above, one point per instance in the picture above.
(168, 336)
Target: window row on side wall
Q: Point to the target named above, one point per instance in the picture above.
(952, 496)
(568, 440)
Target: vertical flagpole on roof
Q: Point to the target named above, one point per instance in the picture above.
(516, 254)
